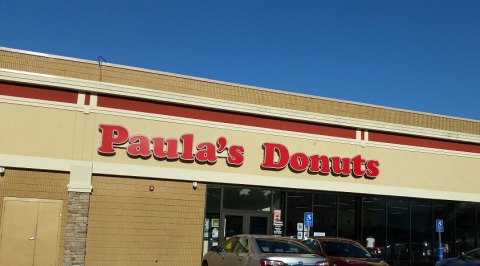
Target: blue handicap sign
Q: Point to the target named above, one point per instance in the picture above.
(308, 219)
(439, 225)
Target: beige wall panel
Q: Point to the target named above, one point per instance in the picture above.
(412, 168)
(41, 185)
(427, 171)
(130, 225)
(37, 131)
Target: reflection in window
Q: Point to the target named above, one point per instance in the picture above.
(344, 249)
(212, 218)
(398, 230)
(251, 199)
(445, 211)
(466, 235)
(374, 224)
(325, 214)
(422, 233)
(347, 216)
(298, 203)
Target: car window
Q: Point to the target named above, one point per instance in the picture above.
(474, 254)
(241, 246)
(344, 249)
(281, 246)
(312, 244)
(229, 244)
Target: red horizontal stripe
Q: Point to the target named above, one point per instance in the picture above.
(39, 93)
(423, 142)
(67, 96)
(222, 116)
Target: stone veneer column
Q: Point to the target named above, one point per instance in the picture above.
(79, 189)
(76, 229)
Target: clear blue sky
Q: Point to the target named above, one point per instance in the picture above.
(410, 54)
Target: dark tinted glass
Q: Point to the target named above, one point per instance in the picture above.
(422, 232)
(212, 217)
(214, 195)
(258, 225)
(325, 214)
(465, 227)
(398, 231)
(247, 199)
(347, 216)
(297, 204)
(312, 244)
(343, 249)
(446, 212)
(233, 225)
(277, 246)
(374, 222)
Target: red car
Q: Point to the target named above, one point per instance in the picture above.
(343, 252)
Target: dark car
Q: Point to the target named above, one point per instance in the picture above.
(468, 258)
(343, 252)
(261, 250)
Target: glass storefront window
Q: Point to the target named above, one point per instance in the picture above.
(402, 230)
(422, 232)
(325, 214)
(251, 199)
(374, 224)
(347, 216)
(446, 212)
(297, 204)
(398, 231)
(478, 225)
(211, 227)
(465, 226)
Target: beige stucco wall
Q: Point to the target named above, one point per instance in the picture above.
(42, 131)
(409, 167)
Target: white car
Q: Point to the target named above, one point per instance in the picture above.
(261, 250)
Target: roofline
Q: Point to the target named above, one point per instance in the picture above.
(230, 83)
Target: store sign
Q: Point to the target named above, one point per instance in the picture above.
(141, 146)
(185, 149)
(277, 157)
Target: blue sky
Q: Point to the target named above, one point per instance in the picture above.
(409, 54)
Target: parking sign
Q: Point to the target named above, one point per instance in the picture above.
(439, 225)
(308, 219)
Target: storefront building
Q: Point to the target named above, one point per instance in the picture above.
(103, 164)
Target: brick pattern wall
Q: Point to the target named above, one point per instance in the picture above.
(130, 224)
(76, 229)
(90, 70)
(23, 183)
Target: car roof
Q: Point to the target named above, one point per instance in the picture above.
(267, 237)
(337, 239)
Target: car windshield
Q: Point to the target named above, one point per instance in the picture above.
(474, 254)
(344, 249)
(280, 246)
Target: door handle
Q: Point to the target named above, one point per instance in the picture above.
(31, 238)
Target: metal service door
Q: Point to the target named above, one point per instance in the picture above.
(30, 230)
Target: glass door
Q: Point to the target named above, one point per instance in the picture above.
(235, 223)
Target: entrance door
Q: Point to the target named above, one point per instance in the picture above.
(30, 232)
(235, 223)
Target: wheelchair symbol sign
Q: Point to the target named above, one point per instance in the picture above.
(308, 219)
(440, 227)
